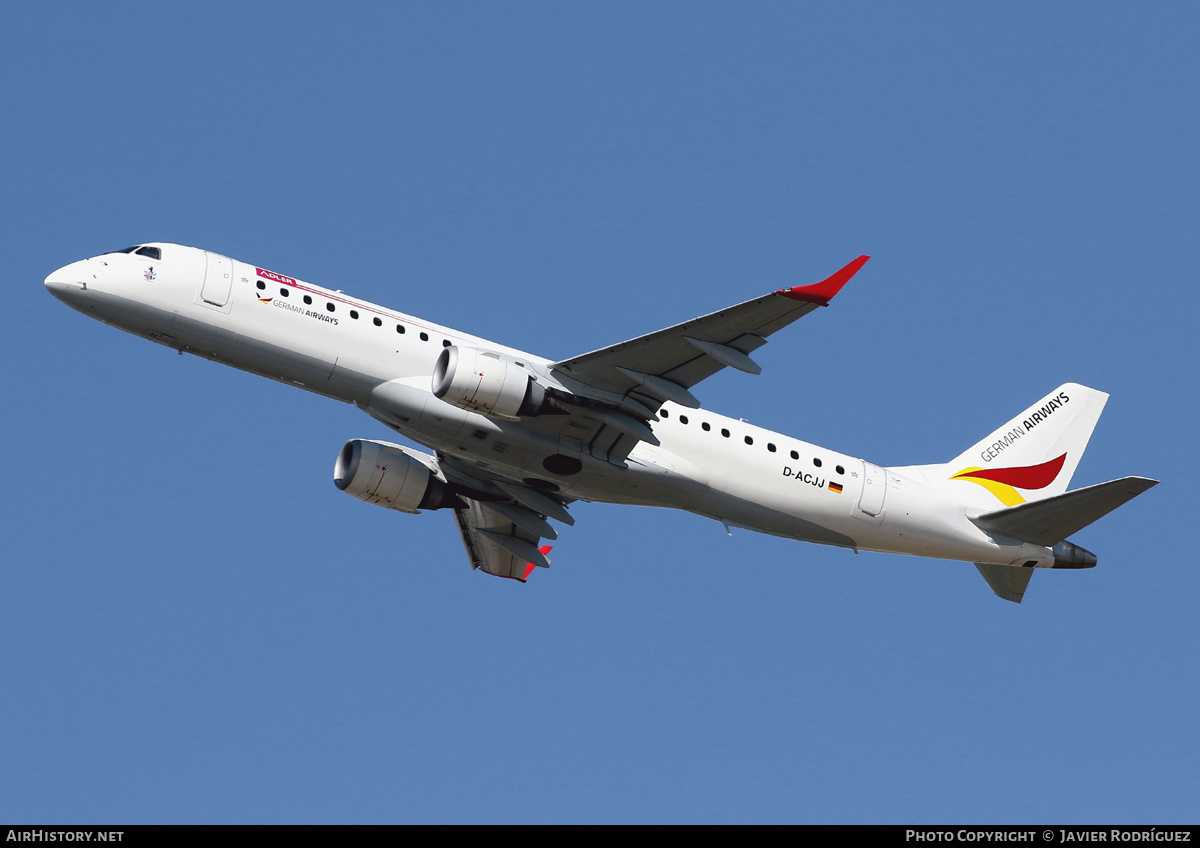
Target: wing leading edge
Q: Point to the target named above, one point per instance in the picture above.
(665, 364)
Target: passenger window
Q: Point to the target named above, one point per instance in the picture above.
(749, 440)
(424, 337)
(706, 426)
(376, 322)
(794, 454)
(354, 314)
(770, 447)
(284, 293)
(817, 462)
(308, 300)
(683, 419)
(399, 328)
(330, 307)
(261, 285)
(724, 432)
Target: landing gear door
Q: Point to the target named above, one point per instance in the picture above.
(218, 279)
(874, 491)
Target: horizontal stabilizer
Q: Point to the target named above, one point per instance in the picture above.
(1007, 581)
(1051, 520)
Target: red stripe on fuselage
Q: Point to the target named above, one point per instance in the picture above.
(373, 308)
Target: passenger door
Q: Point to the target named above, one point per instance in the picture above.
(218, 279)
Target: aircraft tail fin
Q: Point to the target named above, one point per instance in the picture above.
(1017, 478)
(1030, 458)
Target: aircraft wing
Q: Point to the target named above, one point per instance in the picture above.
(497, 545)
(664, 365)
(503, 522)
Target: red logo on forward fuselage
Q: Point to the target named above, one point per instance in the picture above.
(279, 278)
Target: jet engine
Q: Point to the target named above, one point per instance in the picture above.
(391, 476)
(483, 382)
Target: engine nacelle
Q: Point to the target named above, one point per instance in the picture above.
(483, 382)
(391, 476)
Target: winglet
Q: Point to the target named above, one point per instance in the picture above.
(529, 566)
(821, 293)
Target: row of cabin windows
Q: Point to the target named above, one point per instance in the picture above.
(705, 426)
(283, 292)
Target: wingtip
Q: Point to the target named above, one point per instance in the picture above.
(529, 566)
(823, 292)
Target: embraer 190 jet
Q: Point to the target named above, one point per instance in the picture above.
(518, 438)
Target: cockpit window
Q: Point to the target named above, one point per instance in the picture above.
(126, 250)
(152, 252)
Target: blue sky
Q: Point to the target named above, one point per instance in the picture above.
(198, 627)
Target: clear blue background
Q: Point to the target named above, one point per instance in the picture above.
(196, 626)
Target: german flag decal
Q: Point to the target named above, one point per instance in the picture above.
(836, 488)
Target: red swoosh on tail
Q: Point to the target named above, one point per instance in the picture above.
(1028, 477)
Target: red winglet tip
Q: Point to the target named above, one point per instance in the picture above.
(821, 293)
(529, 566)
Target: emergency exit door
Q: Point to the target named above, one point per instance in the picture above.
(874, 490)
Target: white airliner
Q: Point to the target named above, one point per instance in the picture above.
(518, 438)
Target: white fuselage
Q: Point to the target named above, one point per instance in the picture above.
(381, 361)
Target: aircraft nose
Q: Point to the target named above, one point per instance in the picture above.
(65, 291)
(67, 283)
